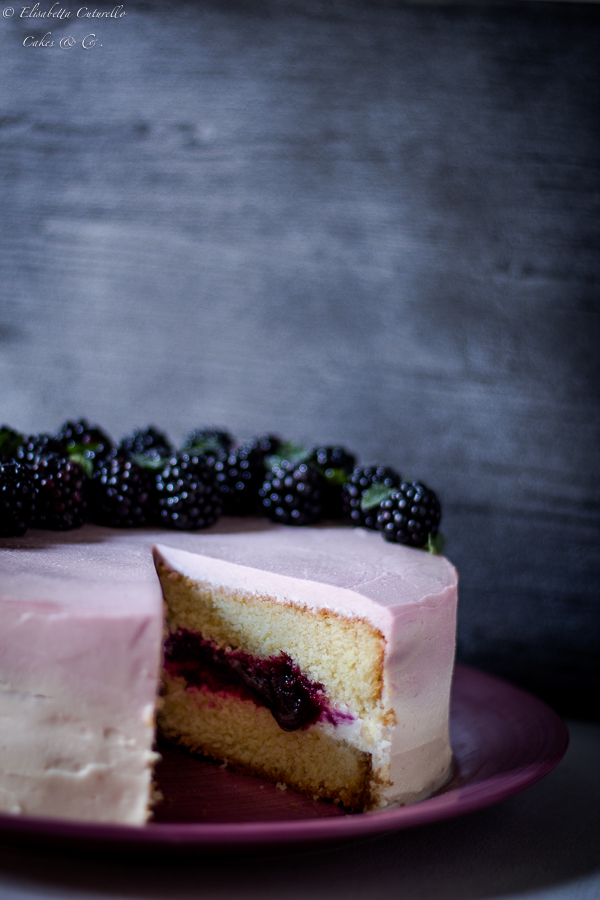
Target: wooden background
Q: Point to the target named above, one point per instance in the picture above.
(357, 222)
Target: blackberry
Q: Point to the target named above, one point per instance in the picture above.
(84, 443)
(16, 498)
(239, 474)
(10, 441)
(293, 493)
(122, 493)
(409, 515)
(331, 458)
(207, 441)
(37, 445)
(357, 503)
(335, 465)
(60, 493)
(187, 495)
(265, 444)
(145, 440)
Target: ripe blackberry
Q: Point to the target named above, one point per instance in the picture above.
(265, 444)
(10, 441)
(358, 504)
(37, 445)
(144, 440)
(207, 441)
(292, 494)
(332, 458)
(84, 443)
(409, 515)
(16, 498)
(60, 493)
(122, 493)
(335, 464)
(187, 495)
(239, 474)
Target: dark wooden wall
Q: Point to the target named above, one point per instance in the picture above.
(357, 222)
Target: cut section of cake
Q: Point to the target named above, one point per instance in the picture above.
(319, 658)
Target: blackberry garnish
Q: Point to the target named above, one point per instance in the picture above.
(37, 445)
(16, 498)
(239, 475)
(265, 444)
(292, 494)
(357, 504)
(122, 493)
(84, 443)
(335, 465)
(332, 458)
(207, 441)
(146, 440)
(409, 515)
(10, 441)
(187, 496)
(60, 493)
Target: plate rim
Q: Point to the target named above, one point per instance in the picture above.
(455, 802)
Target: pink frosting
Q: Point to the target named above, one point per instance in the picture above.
(353, 572)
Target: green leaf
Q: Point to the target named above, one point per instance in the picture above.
(206, 446)
(334, 476)
(290, 451)
(436, 543)
(80, 448)
(10, 441)
(375, 495)
(84, 462)
(150, 460)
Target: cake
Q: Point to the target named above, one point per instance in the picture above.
(320, 658)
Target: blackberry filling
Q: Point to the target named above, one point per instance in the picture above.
(277, 683)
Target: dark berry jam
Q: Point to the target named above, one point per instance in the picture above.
(276, 682)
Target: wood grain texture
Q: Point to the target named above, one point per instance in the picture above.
(367, 223)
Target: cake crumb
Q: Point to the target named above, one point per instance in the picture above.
(281, 786)
(156, 795)
(224, 764)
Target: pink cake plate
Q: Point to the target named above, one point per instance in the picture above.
(503, 741)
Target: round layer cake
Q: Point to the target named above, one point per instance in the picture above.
(319, 657)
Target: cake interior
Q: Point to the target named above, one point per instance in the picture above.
(274, 689)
